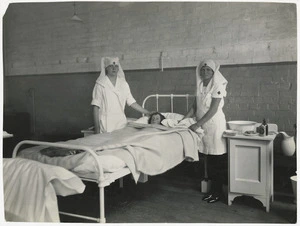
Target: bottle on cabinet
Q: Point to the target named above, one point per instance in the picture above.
(263, 129)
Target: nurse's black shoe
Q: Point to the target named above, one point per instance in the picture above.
(207, 197)
(213, 199)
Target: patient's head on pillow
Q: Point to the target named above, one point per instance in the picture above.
(156, 118)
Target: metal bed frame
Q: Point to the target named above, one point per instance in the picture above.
(98, 177)
(171, 96)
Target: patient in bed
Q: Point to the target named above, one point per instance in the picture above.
(156, 118)
(159, 119)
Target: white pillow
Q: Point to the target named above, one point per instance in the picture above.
(172, 115)
(168, 115)
(131, 119)
(143, 120)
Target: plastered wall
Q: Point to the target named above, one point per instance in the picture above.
(51, 62)
(40, 38)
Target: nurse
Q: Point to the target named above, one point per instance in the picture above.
(110, 94)
(207, 107)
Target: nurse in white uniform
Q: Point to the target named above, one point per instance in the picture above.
(207, 107)
(110, 94)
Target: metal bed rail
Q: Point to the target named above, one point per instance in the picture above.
(171, 96)
(100, 180)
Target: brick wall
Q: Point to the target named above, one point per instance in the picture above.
(40, 38)
(62, 102)
(262, 91)
(58, 60)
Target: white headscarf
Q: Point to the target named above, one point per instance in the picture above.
(106, 61)
(217, 79)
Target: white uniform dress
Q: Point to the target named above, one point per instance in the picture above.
(213, 142)
(111, 99)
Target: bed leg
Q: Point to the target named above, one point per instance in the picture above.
(143, 178)
(102, 210)
(121, 184)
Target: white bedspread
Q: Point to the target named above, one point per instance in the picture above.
(30, 190)
(148, 149)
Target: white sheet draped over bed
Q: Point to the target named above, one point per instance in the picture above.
(30, 190)
(149, 149)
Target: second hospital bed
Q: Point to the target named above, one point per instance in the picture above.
(138, 149)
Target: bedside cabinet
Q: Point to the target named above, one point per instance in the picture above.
(250, 162)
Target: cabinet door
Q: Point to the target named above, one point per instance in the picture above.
(247, 162)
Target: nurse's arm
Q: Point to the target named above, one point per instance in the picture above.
(139, 108)
(96, 119)
(210, 113)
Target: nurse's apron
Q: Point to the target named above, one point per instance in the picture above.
(213, 142)
(112, 117)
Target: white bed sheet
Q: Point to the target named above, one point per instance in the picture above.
(148, 149)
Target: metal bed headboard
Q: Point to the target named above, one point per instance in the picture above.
(171, 96)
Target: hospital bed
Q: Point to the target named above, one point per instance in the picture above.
(95, 150)
(31, 188)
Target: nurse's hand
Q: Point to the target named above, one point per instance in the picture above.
(194, 127)
(150, 113)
